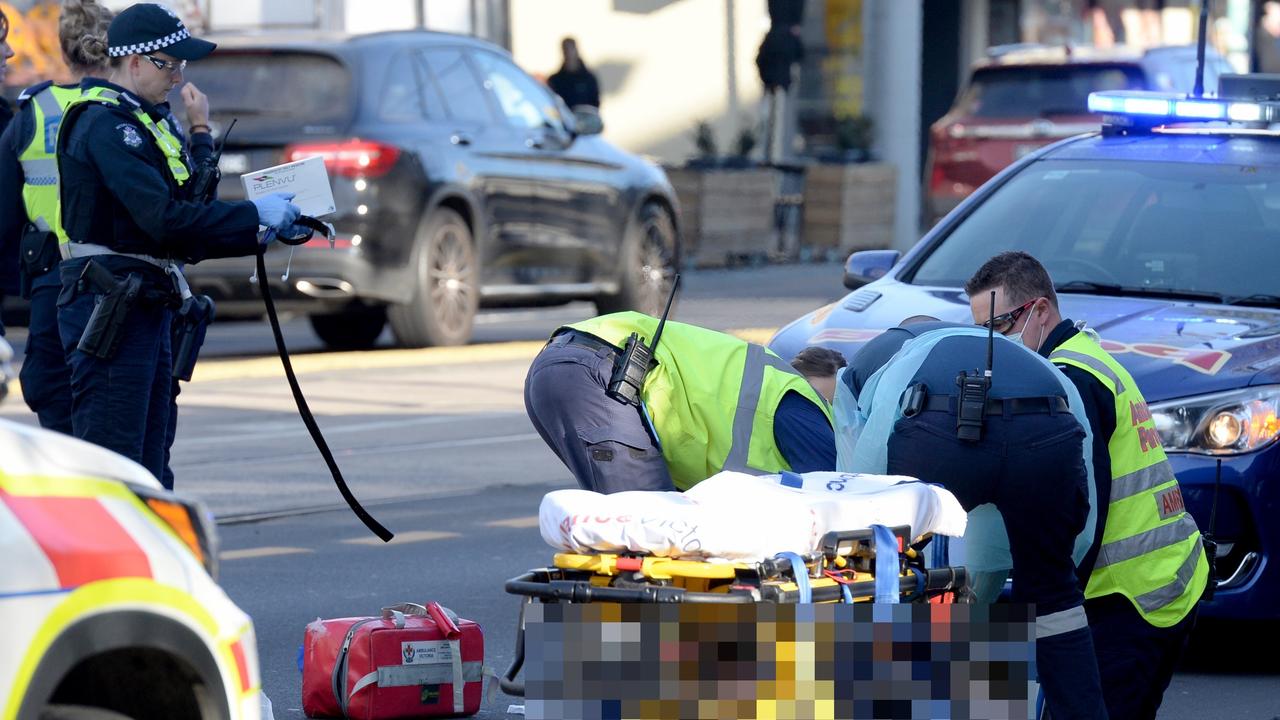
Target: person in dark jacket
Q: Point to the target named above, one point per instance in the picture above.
(131, 221)
(28, 208)
(574, 83)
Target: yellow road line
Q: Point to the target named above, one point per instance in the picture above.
(269, 367)
(404, 538)
(261, 552)
(520, 522)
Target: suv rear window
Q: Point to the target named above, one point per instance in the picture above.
(303, 87)
(1042, 91)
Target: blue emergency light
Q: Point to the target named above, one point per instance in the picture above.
(1172, 107)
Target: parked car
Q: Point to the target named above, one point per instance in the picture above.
(108, 600)
(1021, 98)
(1166, 243)
(461, 182)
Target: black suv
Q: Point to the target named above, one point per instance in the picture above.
(461, 182)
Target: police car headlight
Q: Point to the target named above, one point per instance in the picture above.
(190, 522)
(1227, 423)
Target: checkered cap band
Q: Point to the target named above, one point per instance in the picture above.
(149, 46)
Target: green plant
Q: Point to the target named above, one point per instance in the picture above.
(704, 139)
(853, 132)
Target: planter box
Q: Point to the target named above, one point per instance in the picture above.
(725, 214)
(849, 208)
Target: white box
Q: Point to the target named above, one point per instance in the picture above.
(306, 179)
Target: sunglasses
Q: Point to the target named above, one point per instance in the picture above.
(171, 66)
(1004, 322)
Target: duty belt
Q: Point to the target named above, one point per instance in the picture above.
(586, 340)
(1000, 406)
(81, 250)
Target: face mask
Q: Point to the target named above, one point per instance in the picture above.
(1017, 337)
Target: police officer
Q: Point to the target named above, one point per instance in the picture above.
(29, 199)
(711, 402)
(8, 271)
(130, 220)
(1147, 569)
(1009, 439)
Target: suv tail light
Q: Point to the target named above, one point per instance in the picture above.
(348, 158)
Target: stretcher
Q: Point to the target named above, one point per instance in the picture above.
(842, 569)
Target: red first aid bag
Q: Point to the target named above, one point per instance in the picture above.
(412, 662)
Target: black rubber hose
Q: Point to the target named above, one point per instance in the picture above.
(307, 418)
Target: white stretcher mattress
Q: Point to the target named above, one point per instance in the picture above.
(737, 517)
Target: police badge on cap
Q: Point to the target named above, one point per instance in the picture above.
(147, 28)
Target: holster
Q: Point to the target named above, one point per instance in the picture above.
(101, 337)
(189, 325)
(38, 254)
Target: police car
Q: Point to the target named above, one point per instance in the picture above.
(1162, 232)
(108, 608)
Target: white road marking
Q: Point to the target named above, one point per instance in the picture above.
(261, 552)
(404, 538)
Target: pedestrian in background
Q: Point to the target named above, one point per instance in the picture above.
(1267, 38)
(574, 83)
(131, 220)
(1146, 571)
(29, 227)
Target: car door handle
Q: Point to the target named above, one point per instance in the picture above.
(460, 138)
(533, 143)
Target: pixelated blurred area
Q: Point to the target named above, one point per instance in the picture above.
(608, 660)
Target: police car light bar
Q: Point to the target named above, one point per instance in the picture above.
(1147, 107)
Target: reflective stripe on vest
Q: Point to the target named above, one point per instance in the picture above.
(709, 416)
(39, 164)
(748, 401)
(1151, 550)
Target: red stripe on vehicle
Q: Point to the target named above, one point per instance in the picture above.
(242, 666)
(83, 542)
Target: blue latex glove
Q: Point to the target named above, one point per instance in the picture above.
(275, 210)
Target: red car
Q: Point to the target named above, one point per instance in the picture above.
(1021, 98)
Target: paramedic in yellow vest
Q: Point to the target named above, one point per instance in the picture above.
(28, 208)
(131, 221)
(711, 402)
(1147, 569)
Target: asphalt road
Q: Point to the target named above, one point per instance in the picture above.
(437, 444)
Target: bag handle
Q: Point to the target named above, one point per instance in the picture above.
(444, 619)
(397, 613)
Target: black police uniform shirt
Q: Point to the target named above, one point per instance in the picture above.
(877, 351)
(117, 190)
(1099, 407)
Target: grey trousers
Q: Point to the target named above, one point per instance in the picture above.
(603, 442)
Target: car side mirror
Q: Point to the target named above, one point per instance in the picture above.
(868, 265)
(586, 121)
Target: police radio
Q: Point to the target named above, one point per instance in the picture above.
(204, 182)
(631, 368)
(972, 410)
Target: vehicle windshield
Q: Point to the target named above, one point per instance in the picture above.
(1019, 92)
(1155, 227)
(273, 87)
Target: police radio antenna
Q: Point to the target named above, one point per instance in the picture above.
(222, 141)
(662, 321)
(1198, 91)
(991, 332)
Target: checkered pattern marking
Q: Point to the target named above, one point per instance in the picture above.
(149, 46)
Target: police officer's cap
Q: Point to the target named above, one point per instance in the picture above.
(147, 28)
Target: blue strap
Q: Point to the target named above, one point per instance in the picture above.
(792, 480)
(886, 547)
(802, 575)
(848, 594)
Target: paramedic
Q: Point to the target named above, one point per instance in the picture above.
(711, 402)
(1146, 570)
(1027, 456)
(130, 220)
